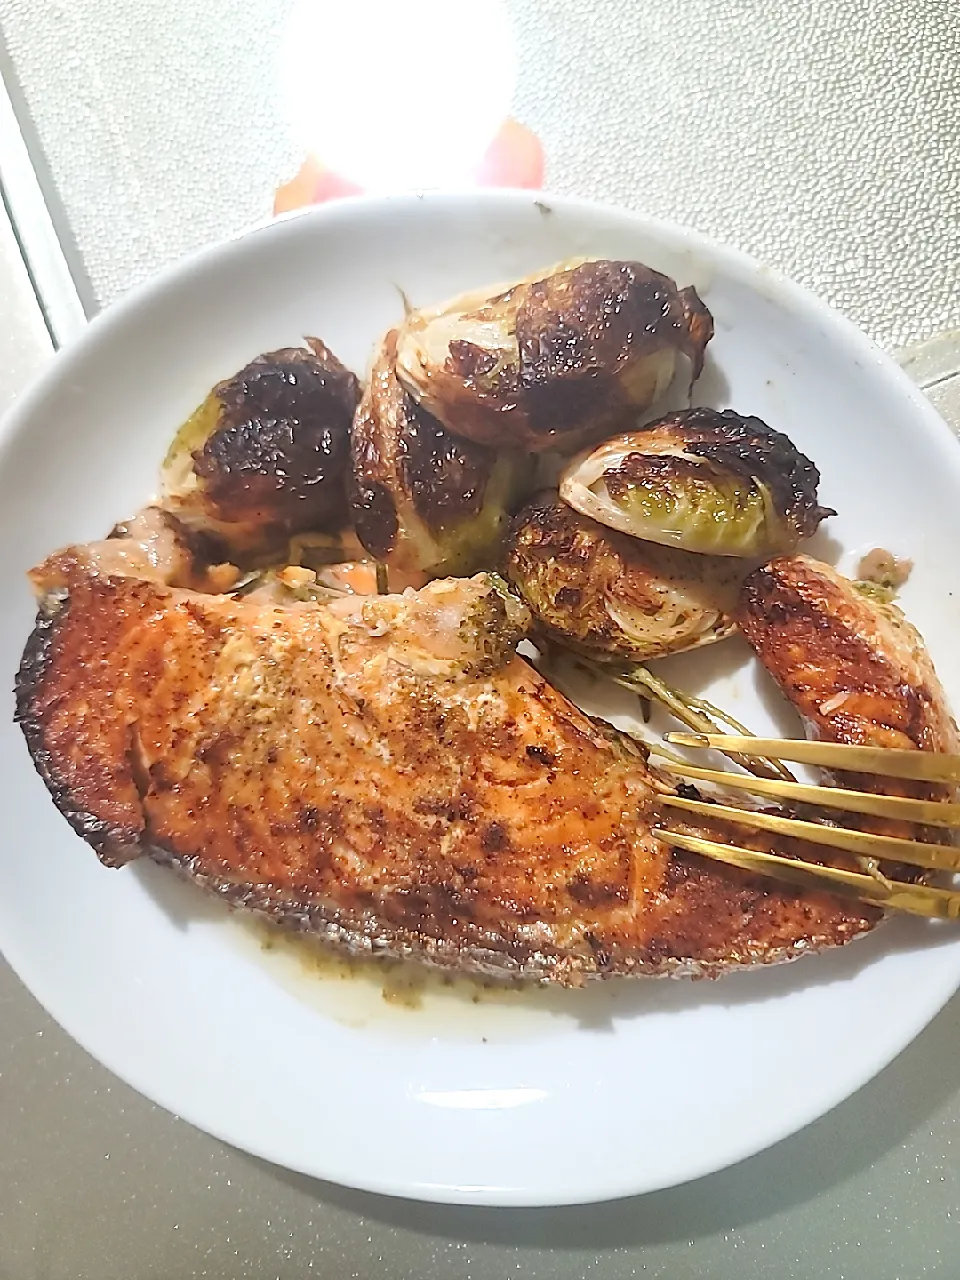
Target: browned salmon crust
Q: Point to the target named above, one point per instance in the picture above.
(855, 669)
(375, 772)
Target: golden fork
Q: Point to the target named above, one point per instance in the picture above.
(876, 889)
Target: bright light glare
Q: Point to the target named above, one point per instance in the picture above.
(399, 95)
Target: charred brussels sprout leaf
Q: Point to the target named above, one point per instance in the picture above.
(424, 501)
(556, 359)
(266, 454)
(615, 597)
(703, 481)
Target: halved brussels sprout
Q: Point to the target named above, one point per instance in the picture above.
(608, 595)
(423, 500)
(266, 454)
(710, 482)
(553, 360)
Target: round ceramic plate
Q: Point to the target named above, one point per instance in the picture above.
(533, 1099)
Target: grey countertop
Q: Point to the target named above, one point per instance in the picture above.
(822, 138)
(97, 1184)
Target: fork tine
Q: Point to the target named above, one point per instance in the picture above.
(862, 843)
(931, 813)
(893, 762)
(692, 712)
(917, 899)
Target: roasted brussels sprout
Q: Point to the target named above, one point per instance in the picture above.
(423, 500)
(266, 454)
(704, 481)
(554, 360)
(611, 596)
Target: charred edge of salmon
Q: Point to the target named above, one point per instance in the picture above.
(106, 840)
(30, 677)
(499, 960)
(365, 933)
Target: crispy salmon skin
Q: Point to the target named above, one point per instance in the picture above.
(855, 668)
(857, 672)
(385, 772)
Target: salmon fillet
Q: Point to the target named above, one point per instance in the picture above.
(385, 772)
(856, 670)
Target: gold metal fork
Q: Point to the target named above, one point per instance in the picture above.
(874, 888)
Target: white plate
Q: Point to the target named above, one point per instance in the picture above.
(569, 1098)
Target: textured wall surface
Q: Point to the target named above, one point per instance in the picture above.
(821, 137)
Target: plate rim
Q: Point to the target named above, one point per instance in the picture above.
(747, 269)
(167, 277)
